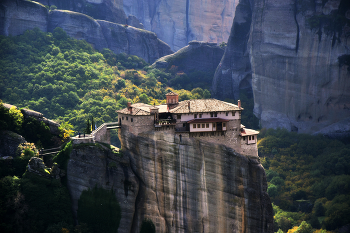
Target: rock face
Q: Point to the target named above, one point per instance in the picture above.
(297, 56)
(179, 22)
(98, 9)
(135, 41)
(200, 56)
(196, 186)
(9, 142)
(18, 16)
(91, 166)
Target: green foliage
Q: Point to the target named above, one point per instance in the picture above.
(304, 228)
(10, 119)
(62, 157)
(147, 226)
(48, 202)
(32, 204)
(100, 210)
(308, 174)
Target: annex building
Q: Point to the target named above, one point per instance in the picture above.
(207, 119)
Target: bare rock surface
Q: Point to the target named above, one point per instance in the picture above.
(296, 59)
(9, 142)
(196, 186)
(179, 22)
(91, 166)
(135, 41)
(196, 56)
(18, 16)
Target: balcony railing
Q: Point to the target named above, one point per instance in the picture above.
(161, 122)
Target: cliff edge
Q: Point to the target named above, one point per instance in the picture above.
(295, 55)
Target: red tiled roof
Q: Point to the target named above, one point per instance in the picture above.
(207, 120)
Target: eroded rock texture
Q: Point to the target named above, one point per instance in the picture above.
(91, 166)
(197, 56)
(98, 9)
(179, 22)
(18, 16)
(297, 54)
(195, 186)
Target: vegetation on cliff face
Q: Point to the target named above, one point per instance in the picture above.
(99, 209)
(67, 80)
(308, 179)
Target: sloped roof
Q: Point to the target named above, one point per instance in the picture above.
(204, 105)
(138, 109)
(247, 132)
(171, 93)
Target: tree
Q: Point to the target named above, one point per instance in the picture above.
(304, 228)
(88, 127)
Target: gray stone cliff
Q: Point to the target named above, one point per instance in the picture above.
(187, 186)
(197, 56)
(179, 22)
(91, 166)
(295, 54)
(9, 142)
(18, 16)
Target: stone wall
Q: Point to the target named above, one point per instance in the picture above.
(9, 142)
(138, 125)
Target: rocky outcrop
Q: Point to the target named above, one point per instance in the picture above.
(18, 16)
(9, 142)
(179, 22)
(196, 56)
(78, 26)
(196, 186)
(98, 9)
(298, 62)
(90, 166)
(135, 41)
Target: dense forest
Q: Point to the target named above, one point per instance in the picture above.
(308, 180)
(69, 81)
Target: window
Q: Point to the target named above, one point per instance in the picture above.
(127, 118)
(207, 125)
(123, 118)
(224, 124)
(132, 119)
(195, 115)
(253, 137)
(211, 114)
(184, 125)
(194, 126)
(215, 114)
(200, 115)
(120, 119)
(250, 137)
(226, 113)
(178, 116)
(213, 125)
(198, 126)
(203, 125)
(233, 113)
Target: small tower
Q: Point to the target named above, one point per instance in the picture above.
(172, 99)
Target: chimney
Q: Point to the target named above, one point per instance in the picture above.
(129, 107)
(239, 104)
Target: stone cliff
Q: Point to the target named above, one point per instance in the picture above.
(182, 186)
(179, 22)
(295, 55)
(197, 56)
(18, 16)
